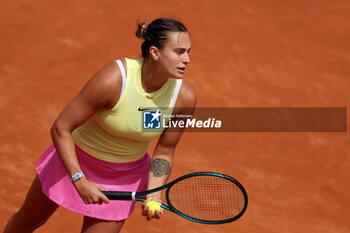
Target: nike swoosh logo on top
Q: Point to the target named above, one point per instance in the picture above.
(143, 109)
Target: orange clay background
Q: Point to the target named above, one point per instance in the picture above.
(263, 53)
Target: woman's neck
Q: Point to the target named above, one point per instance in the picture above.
(151, 78)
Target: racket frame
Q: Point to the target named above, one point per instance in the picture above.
(137, 196)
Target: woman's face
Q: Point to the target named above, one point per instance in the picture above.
(174, 58)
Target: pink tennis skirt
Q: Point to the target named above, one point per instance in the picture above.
(57, 186)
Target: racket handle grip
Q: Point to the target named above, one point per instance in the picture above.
(116, 195)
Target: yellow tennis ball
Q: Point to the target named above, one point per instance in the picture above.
(153, 205)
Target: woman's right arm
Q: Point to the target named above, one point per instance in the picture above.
(101, 91)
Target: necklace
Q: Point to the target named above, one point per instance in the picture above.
(148, 96)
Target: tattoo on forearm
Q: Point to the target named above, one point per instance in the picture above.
(160, 167)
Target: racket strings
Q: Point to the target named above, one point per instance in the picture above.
(207, 197)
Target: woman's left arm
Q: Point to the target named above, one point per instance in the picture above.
(162, 159)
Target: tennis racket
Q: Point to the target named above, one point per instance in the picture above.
(203, 197)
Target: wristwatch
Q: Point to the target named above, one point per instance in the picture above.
(77, 176)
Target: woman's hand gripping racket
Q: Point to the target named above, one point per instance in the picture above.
(204, 197)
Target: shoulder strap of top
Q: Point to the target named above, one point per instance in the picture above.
(122, 70)
(176, 92)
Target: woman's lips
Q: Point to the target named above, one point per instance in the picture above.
(181, 69)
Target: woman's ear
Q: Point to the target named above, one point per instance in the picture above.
(154, 52)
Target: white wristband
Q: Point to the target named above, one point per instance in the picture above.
(77, 176)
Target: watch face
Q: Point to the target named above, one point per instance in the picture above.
(77, 176)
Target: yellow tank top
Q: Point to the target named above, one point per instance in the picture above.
(118, 135)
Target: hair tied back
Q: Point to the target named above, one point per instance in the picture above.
(141, 31)
(156, 33)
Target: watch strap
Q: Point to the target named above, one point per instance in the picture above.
(77, 176)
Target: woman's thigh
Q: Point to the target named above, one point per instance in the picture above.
(92, 225)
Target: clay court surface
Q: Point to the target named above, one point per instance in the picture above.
(265, 53)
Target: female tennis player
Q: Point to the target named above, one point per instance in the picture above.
(99, 142)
